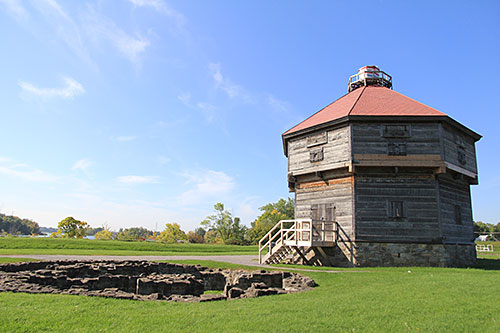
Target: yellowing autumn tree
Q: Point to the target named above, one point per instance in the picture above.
(71, 228)
(172, 233)
(104, 234)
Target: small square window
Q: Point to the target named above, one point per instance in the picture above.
(396, 148)
(316, 155)
(458, 215)
(396, 209)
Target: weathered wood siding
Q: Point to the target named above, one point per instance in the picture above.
(336, 151)
(456, 142)
(337, 192)
(369, 138)
(374, 193)
(454, 193)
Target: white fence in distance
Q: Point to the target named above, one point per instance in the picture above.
(484, 248)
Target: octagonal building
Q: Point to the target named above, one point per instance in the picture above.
(393, 173)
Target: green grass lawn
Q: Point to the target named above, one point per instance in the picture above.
(25, 246)
(9, 260)
(376, 300)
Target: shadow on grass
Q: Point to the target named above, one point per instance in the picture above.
(488, 264)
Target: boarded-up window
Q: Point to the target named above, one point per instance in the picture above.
(461, 156)
(396, 209)
(460, 141)
(458, 215)
(396, 148)
(317, 139)
(316, 155)
(396, 131)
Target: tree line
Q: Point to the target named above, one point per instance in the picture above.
(14, 225)
(491, 230)
(219, 228)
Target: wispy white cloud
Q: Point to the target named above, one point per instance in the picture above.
(126, 138)
(24, 171)
(161, 6)
(208, 184)
(83, 165)
(101, 28)
(207, 109)
(247, 209)
(63, 26)
(277, 104)
(231, 89)
(185, 98)
(72, 88)
(138, 179)
(15, 8)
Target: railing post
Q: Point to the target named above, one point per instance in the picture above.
(323, 231)
(296, 233)
(270, 245)
(311, 233)
(260, 252)
(281, 231)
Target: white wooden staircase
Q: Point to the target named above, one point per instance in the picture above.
(290, 239)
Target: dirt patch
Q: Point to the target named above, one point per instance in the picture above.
(145, 280)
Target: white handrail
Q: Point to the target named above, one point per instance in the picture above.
(295, 233)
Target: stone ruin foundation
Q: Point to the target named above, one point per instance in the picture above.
(144, 280)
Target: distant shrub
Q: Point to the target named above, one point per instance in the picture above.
(193, 237)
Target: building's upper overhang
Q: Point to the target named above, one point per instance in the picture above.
(373, 104)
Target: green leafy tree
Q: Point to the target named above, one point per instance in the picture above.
(200, 231)
(172, 233)
(14, 225)
(133, 234)
(228, 229)
(71, 228)
(481, 227)
(272, 214)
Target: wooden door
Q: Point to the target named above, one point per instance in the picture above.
(323, 212)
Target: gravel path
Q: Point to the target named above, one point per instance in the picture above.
(248, 260)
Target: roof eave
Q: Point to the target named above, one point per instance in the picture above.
(346, 119)
(285, 137)
(458, 125)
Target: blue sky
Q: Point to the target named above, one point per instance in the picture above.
(143, 112)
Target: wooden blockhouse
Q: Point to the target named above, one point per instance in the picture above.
(379, 180)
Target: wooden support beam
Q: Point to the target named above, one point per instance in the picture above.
(302, 255)
(323, 255)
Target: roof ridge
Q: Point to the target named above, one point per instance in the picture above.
(414, 100)
(335, 101)
(356, 102)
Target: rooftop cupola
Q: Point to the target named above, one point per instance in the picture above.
(369, 76)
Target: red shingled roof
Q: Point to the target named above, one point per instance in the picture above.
(368, 101)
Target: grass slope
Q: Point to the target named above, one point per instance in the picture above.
(377, 300)
(20, 245)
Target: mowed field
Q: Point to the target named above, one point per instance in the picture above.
(362, 299)
(28, 245)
